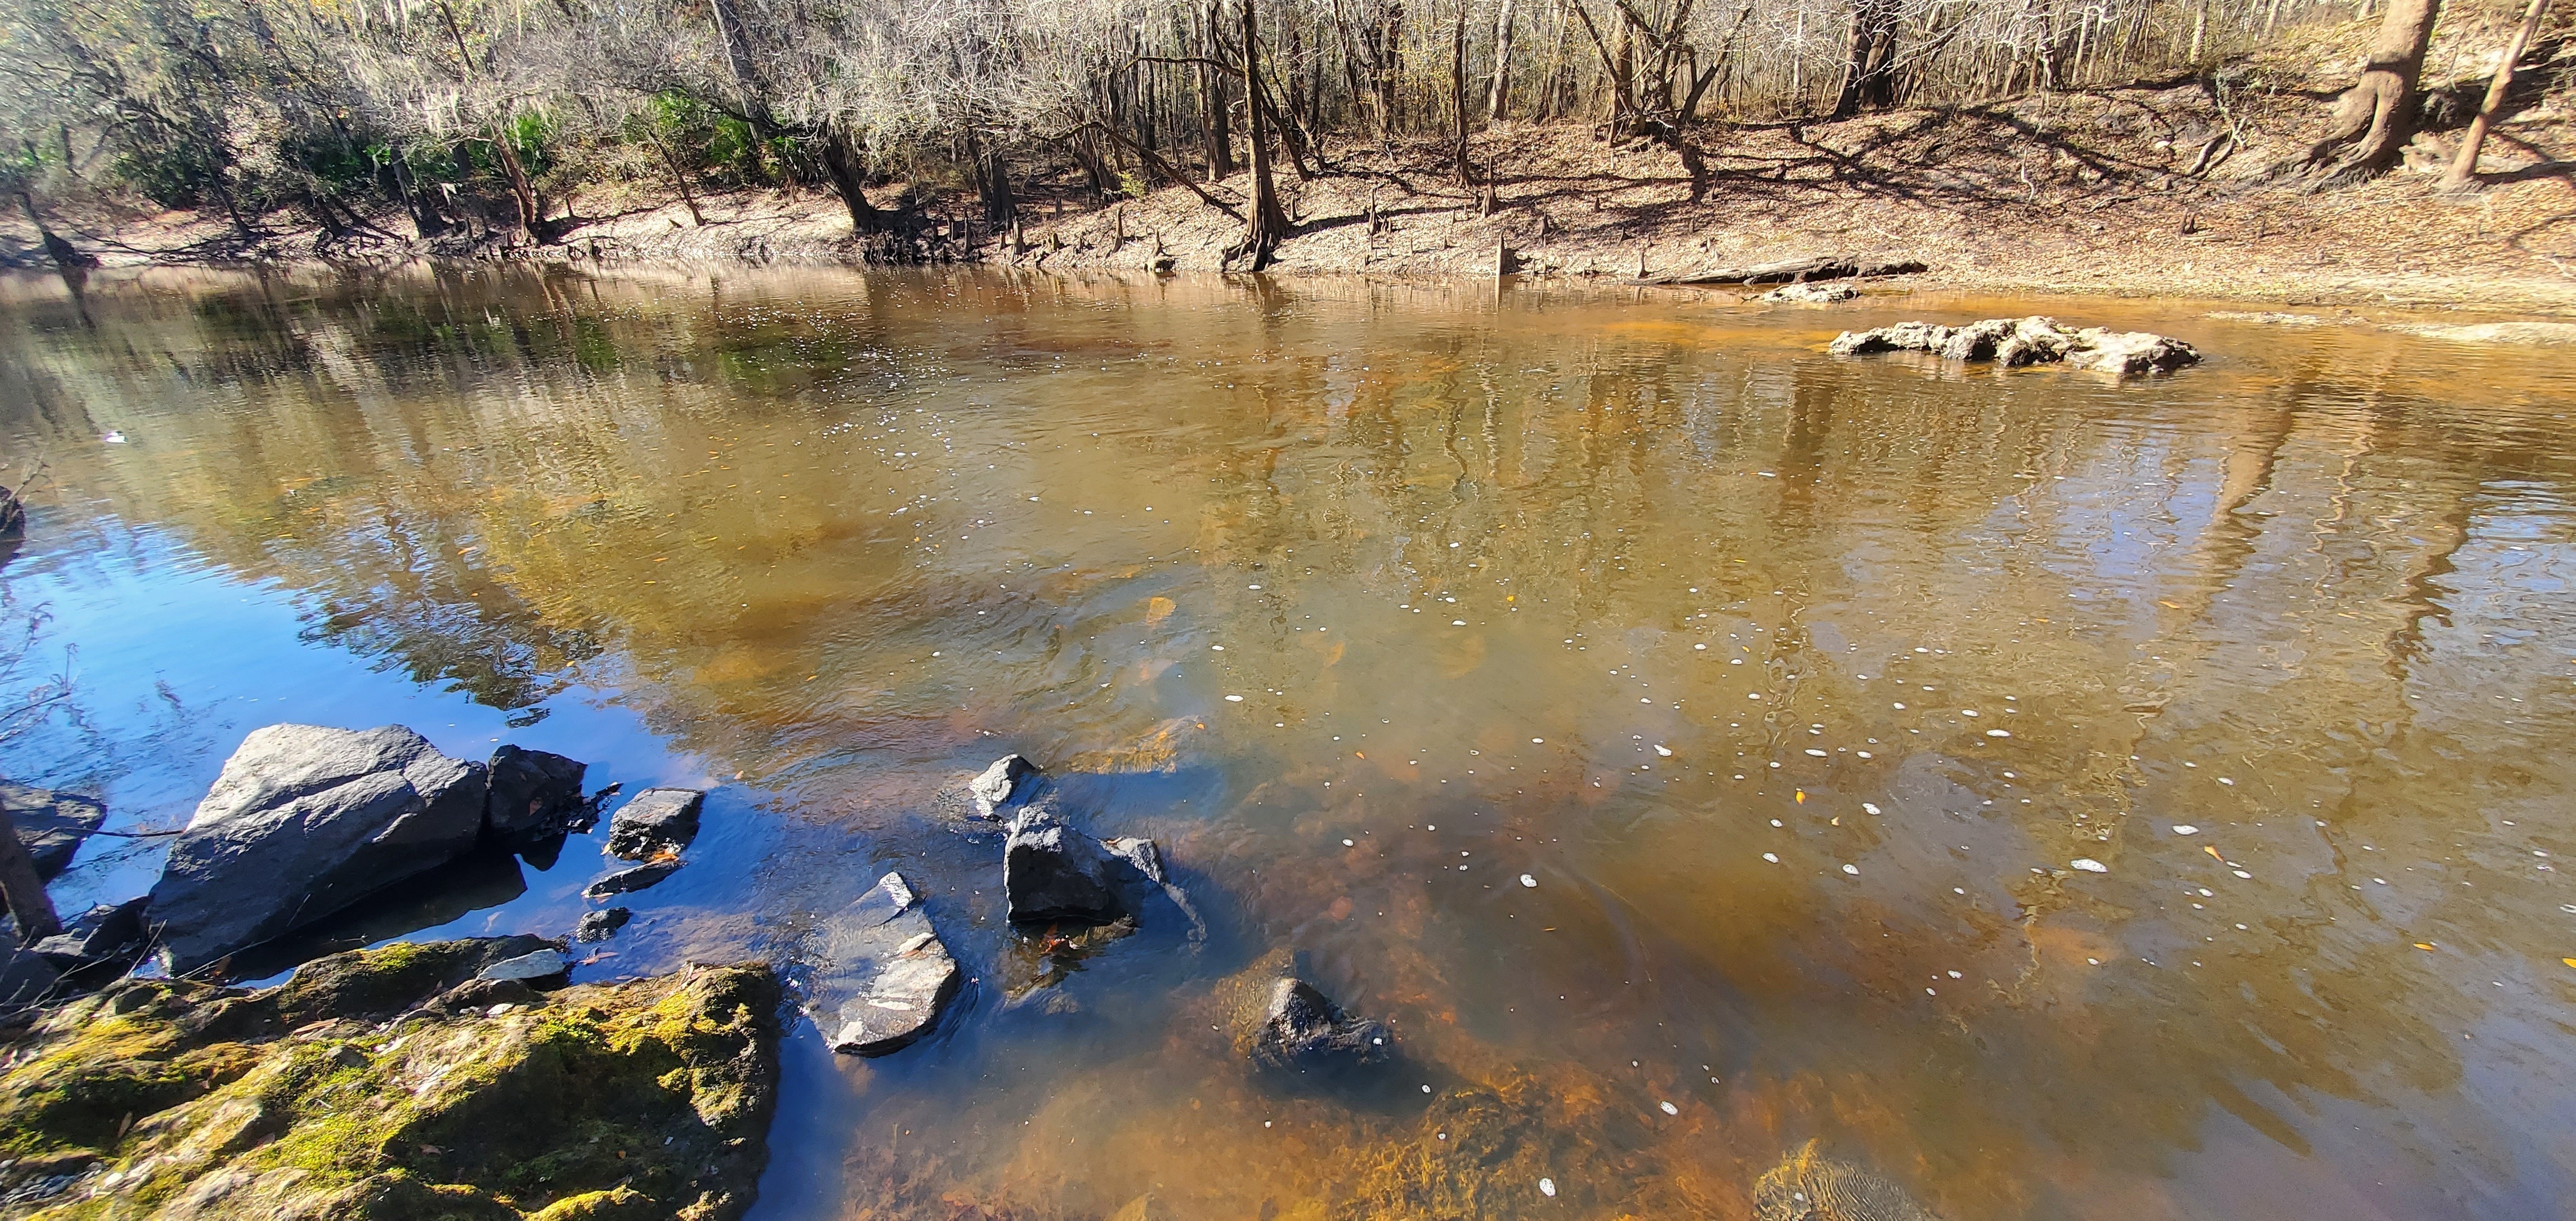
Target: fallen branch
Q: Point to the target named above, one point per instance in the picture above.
(1164, 168)
(1794, 271)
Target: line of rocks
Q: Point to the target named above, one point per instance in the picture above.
(882, 978)
(2015, 342)
(304, 821)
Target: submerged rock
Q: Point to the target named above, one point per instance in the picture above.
(626, 880)
(534, 794)
(1809, 294)
(1807, 1186)
(302, 822)
(601, 925)
(2014, 342)
(655, 822)
(1038, 960)
(1278, 1019)
(1485, 1150)
(883, 977)
(645, 1099)
(2493, 332)
(50, 825)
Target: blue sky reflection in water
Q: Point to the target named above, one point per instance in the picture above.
(1797, 686)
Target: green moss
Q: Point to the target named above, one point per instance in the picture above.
(387, 980)
(618, 1204)
(604, 1097)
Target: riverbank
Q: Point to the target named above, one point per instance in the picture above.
(2147, 190)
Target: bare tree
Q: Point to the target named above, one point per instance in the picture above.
(2464, 168)
(2374, 119)
(1268, 224)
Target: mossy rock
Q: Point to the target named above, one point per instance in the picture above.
(600, 1102)
(390, 980)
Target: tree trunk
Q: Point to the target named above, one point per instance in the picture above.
(2375, 118)
(523, 191)
(1458, 97)
(1220, 134)
(1390, 71)
(24, 889)
(849, 178)
(1866, 67)
(2465, 167)
(1268, 224)
(680, 179)
(1499, 95)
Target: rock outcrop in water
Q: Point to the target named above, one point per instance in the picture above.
(2014, 342)
(1277, 1019)
(175, 1099)
(1052, 871)
(1809, 294)
(302, 822)
(655, 822)
(627, 881)
(601, 925)
(999, 785)
(534, 794)
(50, 825)
(882, 977)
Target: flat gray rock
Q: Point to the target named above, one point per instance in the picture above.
(543, 964)
(881, 977)
(303, 821)
(625, 880)
(656, 821)
(50, 825)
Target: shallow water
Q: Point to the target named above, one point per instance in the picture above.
(1796, 686)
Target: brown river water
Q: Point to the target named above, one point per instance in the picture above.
(2066, 799)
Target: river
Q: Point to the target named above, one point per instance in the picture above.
(2066, 799)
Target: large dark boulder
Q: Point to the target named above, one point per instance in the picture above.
(303, 822)
(656, 822)
(534, 794)
(50, 825)
(1054, 872)
(882, 977)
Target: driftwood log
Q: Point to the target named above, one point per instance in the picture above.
(1793, 271)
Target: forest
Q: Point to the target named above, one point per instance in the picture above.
(482, 118)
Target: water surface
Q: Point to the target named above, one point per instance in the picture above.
(1796, 688)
